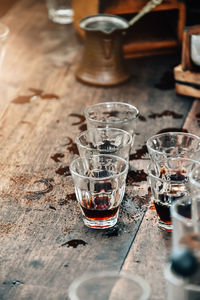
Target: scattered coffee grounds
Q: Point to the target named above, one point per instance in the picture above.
(136, 176)
(166, 113)
(140, 153)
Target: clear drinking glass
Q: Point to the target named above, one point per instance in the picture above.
(170, 185)
(60, 11)
(112, 114)
(109, 285)
(99, 186)
(113, 141)
(173, 144)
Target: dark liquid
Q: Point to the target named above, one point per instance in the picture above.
(165, 200)
(163, 211)
(163, 208)
(107, 146)
(99, 209)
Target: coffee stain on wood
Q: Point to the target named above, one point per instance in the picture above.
(56, 157)
(139, 154)
(80, 117)
(74, 243)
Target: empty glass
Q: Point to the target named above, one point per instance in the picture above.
(109, 285)
(173, 144)
(113, 141)
(112, 114)
(169, 185)
(100, 182)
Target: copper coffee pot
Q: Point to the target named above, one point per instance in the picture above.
(102, 61)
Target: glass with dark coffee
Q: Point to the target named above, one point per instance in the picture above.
(169, 185)
(100, 186)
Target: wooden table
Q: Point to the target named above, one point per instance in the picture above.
(41, 111)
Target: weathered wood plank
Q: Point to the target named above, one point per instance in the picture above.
(192, 123)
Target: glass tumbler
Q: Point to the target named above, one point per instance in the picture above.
(112, 114)
(113, 141)
(100, 182)
(170, 185)
(172, 145)
(109, 285)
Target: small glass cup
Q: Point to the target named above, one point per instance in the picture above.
(109, 285)
(112, 114)
(168, 185)
(113, 141)
(100, 182)
(172, 145)
(60, 11)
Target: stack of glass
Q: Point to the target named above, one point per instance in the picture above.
(100, 172)
(174, 173)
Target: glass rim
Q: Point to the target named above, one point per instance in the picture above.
(86, 112)
(73, 172)
(77, 139)
(102, 17)
(5, 32)
(176, 215)
(151, 163)
(145, 287)
(170, 133)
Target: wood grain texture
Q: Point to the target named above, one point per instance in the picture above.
(187, 82)
(6, 5)
(186, 90)
(187, 76)
(128, 6)
(40, 101)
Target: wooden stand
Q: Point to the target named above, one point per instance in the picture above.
(158, 32)
(187, 74)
